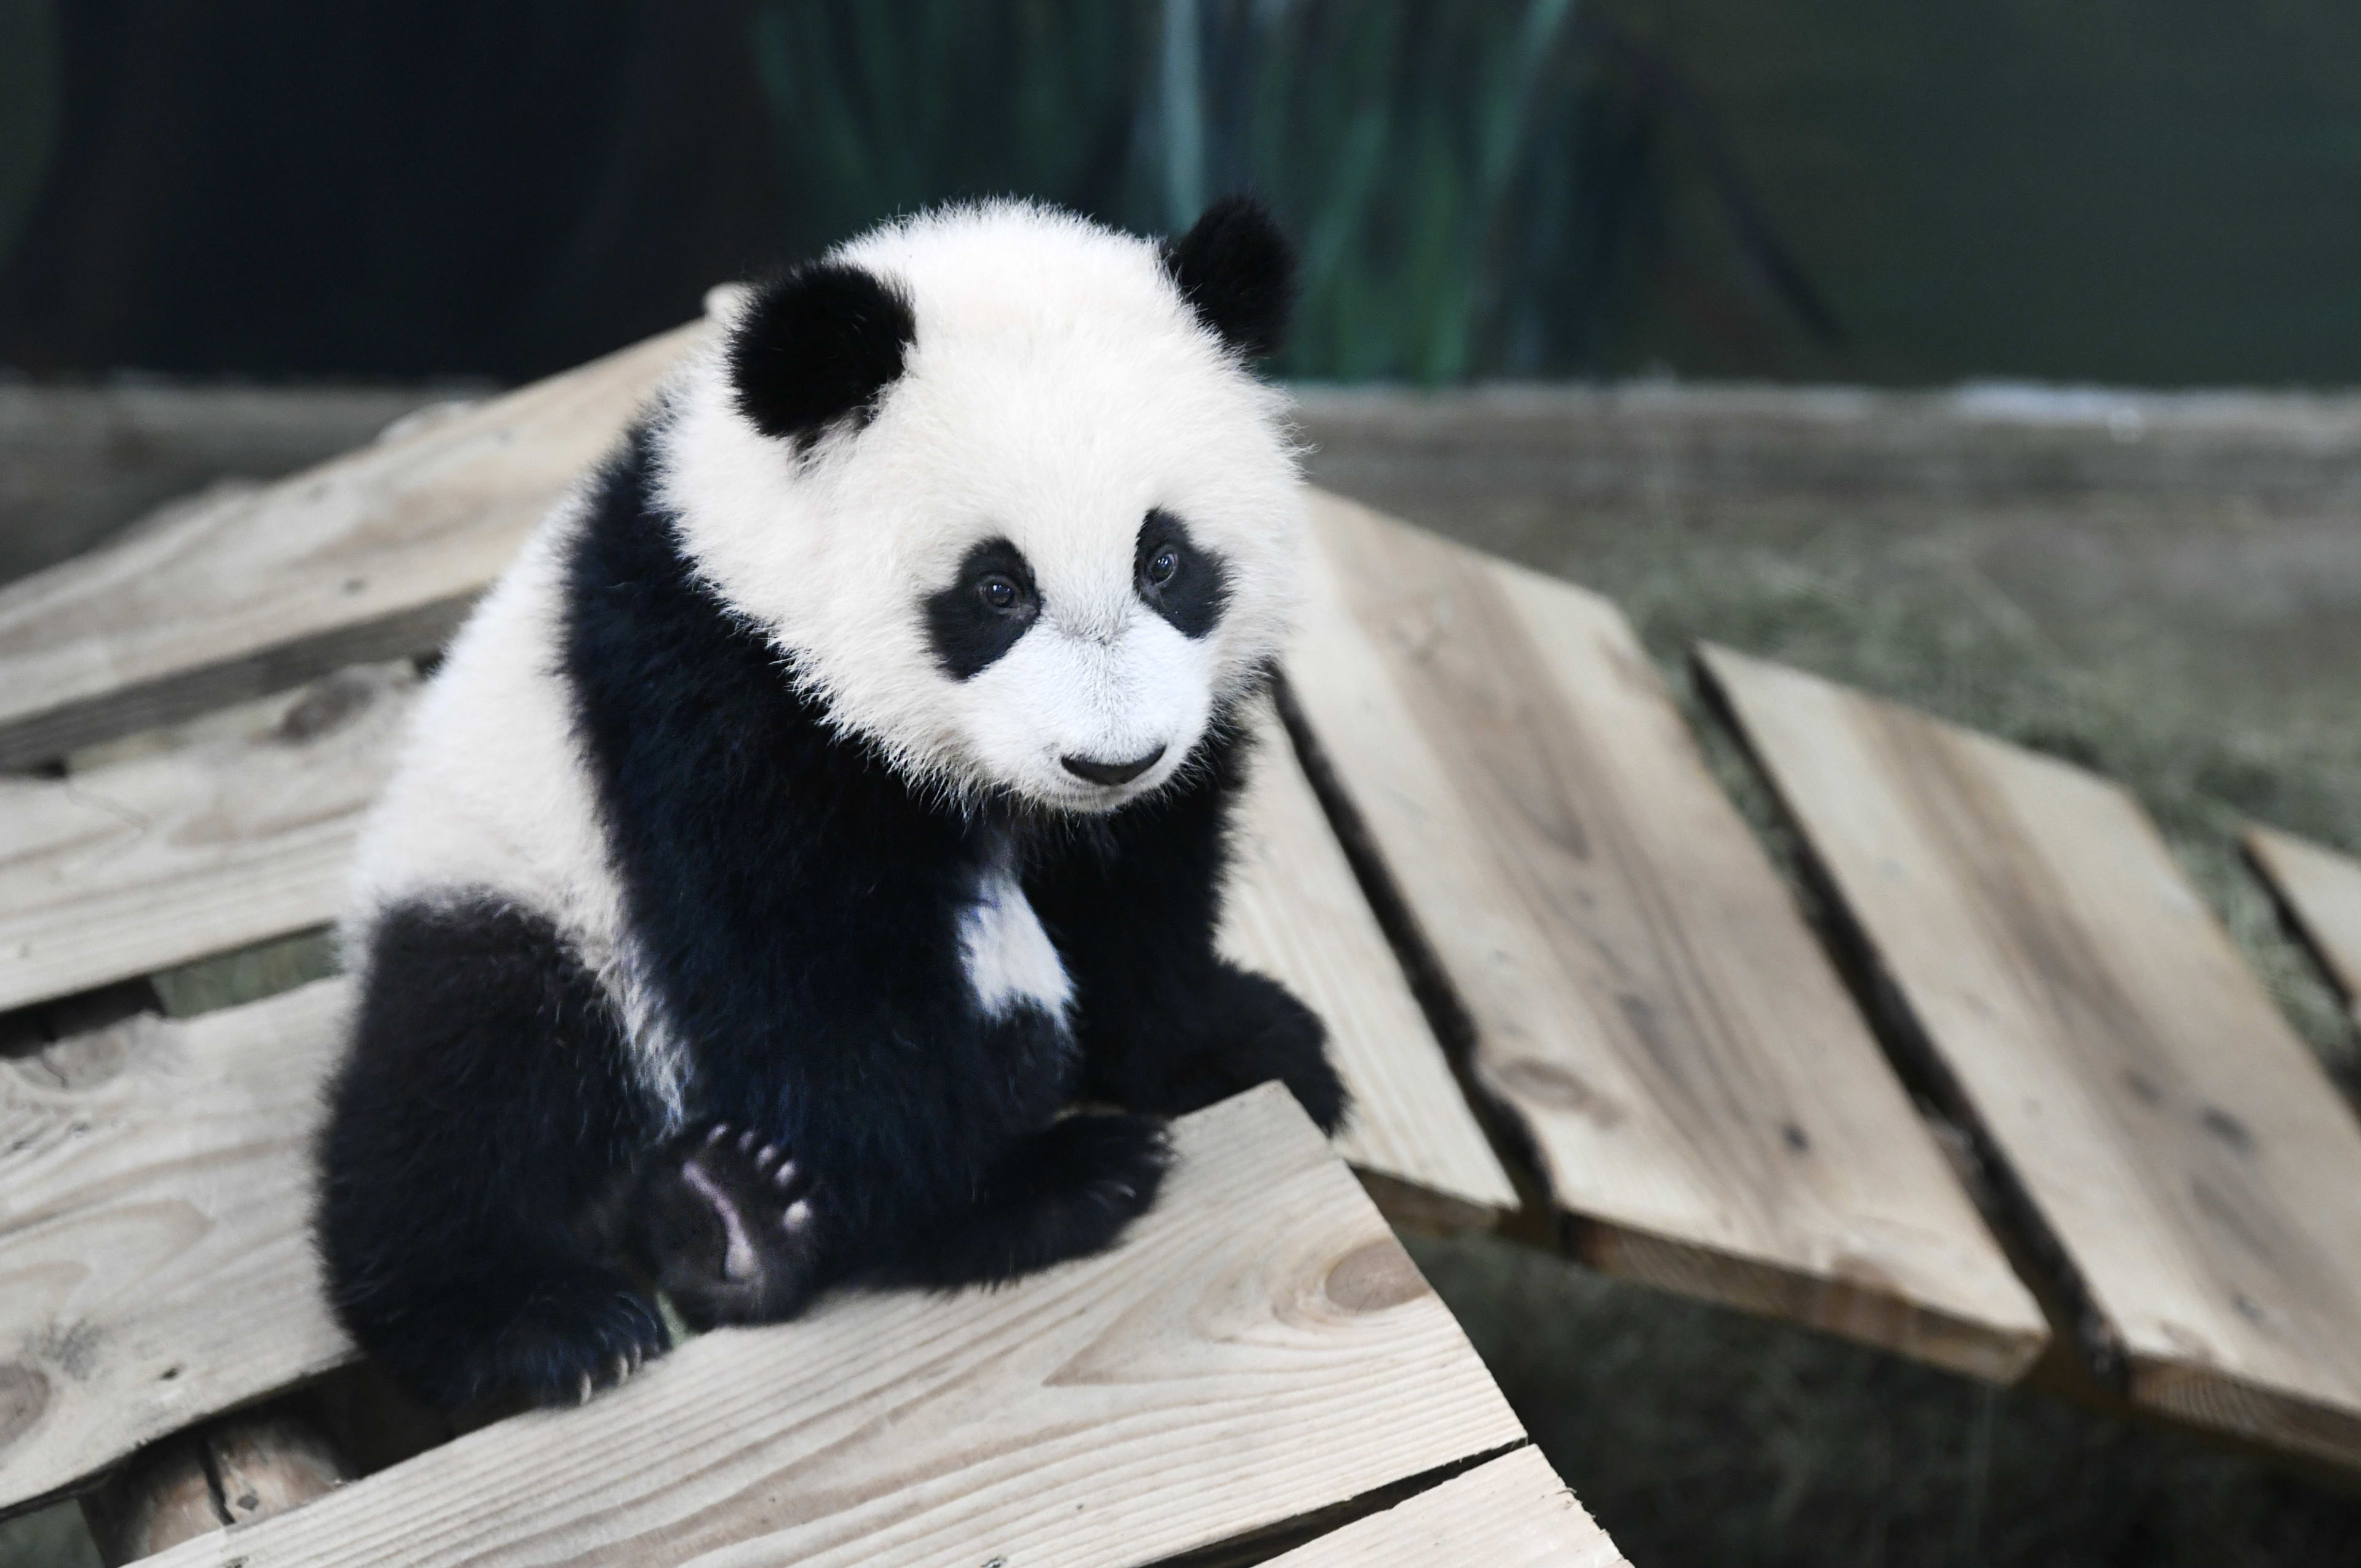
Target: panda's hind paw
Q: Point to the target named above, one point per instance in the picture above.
(570, 1339)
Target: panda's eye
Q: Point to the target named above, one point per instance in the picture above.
(1162, 566)
(999, 593)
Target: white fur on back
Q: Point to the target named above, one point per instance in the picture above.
(1059, 388)
(492, 797)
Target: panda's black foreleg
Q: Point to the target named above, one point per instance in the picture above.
(725, 1223)
(1207, 1032)
(1166, 1025)
(484, 1109)
(1064, 1192)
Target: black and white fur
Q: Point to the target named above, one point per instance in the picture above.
(830, 797)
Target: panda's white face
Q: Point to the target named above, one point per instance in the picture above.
(1046, 554)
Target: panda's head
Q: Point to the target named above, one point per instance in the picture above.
(1001, 486)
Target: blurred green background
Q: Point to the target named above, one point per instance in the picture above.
(1891, 191)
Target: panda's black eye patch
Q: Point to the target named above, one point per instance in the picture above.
(984, 610)
(1186, 586)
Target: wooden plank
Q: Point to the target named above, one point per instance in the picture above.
(1259, 1349)
(148, 863)
(1295, 912)
(2320, 891)
(375, 555)
(1644, 999)
(2183, 1151)
(154, 1263)
(1512, 1512)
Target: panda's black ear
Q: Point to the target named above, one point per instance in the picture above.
(816, 345)
(1238, 272)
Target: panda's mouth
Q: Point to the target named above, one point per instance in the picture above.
(1071, 791)
(1111, 773)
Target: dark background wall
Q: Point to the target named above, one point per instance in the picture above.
(2158, 192)
(2142, 192)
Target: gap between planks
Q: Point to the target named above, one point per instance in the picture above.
(2184, 1155)
(2318, 891)
(1294, 911)
(1511, 1512)
(1646, 1004)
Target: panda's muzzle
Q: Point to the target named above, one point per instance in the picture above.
(1111, 773)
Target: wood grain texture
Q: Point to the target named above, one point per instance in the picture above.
(376, 555)
(1510, 1512)
(1295, 912)
(2320, 891)
(1261, 1347)
(2173, 1138)
(154, 1263)
(1646, 999)
(151, 862)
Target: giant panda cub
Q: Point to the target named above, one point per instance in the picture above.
(804, 866)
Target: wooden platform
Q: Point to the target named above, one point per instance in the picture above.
(2178, 1147)
(1259, 1351)
(1644, 1000)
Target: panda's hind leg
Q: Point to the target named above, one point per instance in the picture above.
(485, 1107)
(724, 1221)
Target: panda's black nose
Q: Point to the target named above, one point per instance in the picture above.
(1112, 773)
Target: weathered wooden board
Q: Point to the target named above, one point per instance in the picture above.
(1295, 912)
(1646, 999)
(1510, 1512)
(1259, 1349)
(130, 868)
(2321, 891)
(375, 555)
(154, 1263)
(2171, 1134)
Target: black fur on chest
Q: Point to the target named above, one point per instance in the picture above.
(796, 903)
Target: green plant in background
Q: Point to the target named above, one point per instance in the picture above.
(882, 107)
(1441, 161)
(1426, 155)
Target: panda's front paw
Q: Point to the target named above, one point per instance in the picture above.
(729, 1227)
(1247, 1029)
